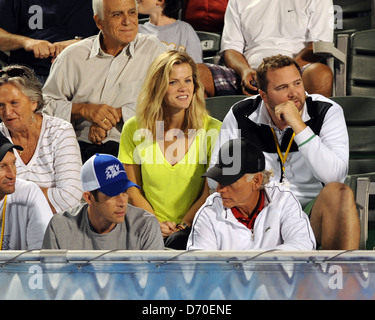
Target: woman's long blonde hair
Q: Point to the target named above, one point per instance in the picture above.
(151, 98)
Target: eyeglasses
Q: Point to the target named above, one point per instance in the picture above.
(15, 72)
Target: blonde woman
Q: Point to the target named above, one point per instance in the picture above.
(166, 147)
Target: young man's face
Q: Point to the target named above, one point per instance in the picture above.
(106, 212)
(7, 174)
(284, 84)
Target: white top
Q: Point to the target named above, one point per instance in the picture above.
(319, 159)
(179, 36)
(260, 29)
(26, 217)
(281, 225)
(84, 73)
(56, 163)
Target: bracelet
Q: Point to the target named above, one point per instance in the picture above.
(78, 38)
(182, 226)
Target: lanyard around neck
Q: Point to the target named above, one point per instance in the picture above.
(3, 223)
(281, 156)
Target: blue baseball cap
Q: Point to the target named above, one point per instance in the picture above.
(105, 173)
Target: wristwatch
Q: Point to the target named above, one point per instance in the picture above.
(182, 226)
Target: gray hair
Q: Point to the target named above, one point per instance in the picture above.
(267, 175)
(26, 82)
(98, 7)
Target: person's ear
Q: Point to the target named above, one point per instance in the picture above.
(263, 95)
(88, 196)
(34, 106)
(160, 3)
(98, 21)
(258, 179)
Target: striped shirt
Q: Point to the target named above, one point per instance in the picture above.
(56, 163)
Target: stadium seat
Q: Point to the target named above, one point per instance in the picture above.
(219, 106)
(359, 114)
(363, 186)
(352, 62)
(352, 17)
(210, 42)
(335, 54)
(361, 63)
(357, 15)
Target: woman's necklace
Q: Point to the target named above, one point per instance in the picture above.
(29, 141)
(21, 151)
(25, 147)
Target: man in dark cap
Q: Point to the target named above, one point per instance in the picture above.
(247, 212)
(25, 212)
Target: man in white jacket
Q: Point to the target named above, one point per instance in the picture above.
(247, 213)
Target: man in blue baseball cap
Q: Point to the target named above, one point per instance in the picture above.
(106, 221)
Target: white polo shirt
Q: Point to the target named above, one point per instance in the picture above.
(260, 29)
(281, 225)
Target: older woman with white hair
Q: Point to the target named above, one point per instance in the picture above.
(50, 156)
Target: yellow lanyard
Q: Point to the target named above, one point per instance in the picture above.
(3, 223)
(282, 158)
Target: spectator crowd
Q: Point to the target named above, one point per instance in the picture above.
(106, 141)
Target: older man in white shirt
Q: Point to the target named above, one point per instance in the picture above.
(95, 83)
(247, 212)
